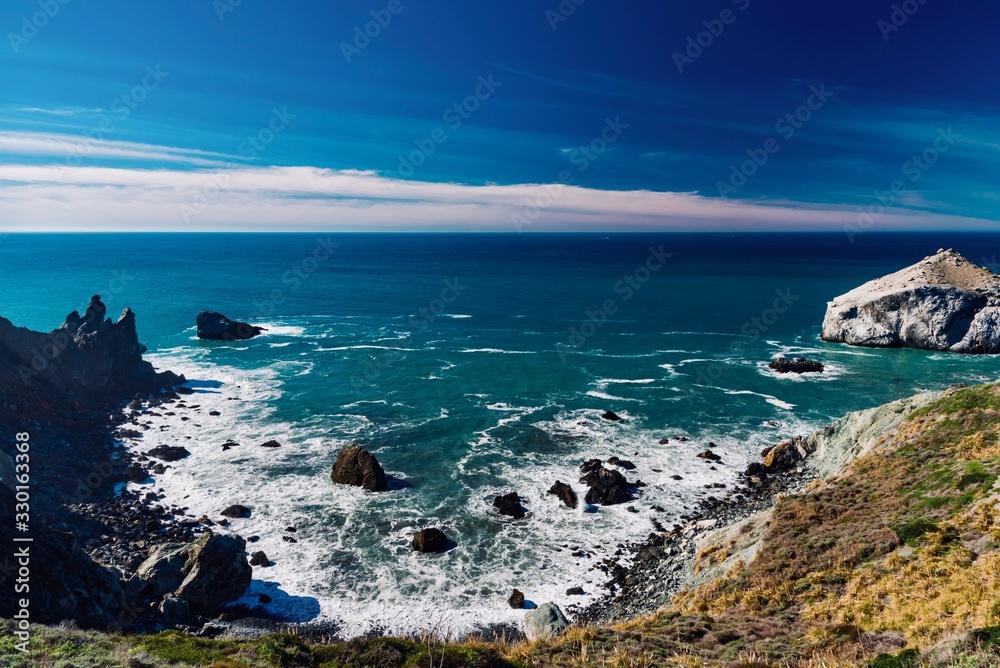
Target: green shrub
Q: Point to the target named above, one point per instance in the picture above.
(909, 532)
(906, 659)
(284, 650)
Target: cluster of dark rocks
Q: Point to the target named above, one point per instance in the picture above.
(643, 576)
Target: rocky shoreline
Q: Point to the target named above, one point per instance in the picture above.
(647, 574)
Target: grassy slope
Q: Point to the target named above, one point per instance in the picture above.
(900, 551)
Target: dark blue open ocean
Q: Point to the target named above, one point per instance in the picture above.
(473, 365)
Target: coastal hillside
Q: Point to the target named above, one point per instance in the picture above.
(892, 561)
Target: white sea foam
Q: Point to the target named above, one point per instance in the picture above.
(353, 562)
(774, 401)
(609, 397)
(364, 346)
(279, 329)
(457, 316)
(498, 351)
(831, 371)
(604, 382)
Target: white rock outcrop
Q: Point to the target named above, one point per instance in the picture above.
(943, 302)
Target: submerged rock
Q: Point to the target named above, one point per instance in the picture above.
(259, 559)
(943, 302)
(214, 326)
(565, 494)
(795, 365)
(509, 505)
(430, 540)
(611, 415)
(622, 463)
(545, 622)
(358, 467)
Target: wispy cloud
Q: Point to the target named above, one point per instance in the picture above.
(306, 198)
(72, 148)
(62, 111)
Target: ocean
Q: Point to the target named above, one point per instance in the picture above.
(471, 366)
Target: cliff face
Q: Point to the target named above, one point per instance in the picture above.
(88, 358)
(825, 452)
(59, 387)
(943, 302)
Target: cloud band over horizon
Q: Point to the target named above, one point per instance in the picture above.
(62, 198)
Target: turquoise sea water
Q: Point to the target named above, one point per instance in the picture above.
(473, 365)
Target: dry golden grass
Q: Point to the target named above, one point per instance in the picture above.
(901, 541)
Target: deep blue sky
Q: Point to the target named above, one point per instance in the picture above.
(685, 130)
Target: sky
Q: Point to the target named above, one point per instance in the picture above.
(521, 116)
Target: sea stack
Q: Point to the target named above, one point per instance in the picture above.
(214, 326)
(944, 302)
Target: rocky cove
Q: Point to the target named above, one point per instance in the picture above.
(91, 413)
(135, 548)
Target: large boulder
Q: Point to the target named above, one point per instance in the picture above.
(358, 467)
(206, 574)
(65, 582)
(430, 540)
(787, 455)
(545, 622)
(944, 302)
(214, 326)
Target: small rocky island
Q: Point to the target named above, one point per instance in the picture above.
(944, 302)
(214, 326)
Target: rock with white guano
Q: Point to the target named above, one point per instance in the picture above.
(944, 302)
